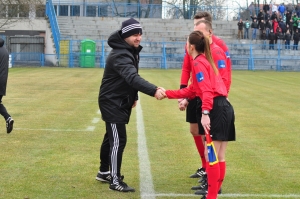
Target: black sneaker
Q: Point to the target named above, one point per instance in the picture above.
(199, 173)
(203, 179)
(9, 124)
(199, 187)
(202, 190)
(103, 177)
(122, 187)
(202, 185)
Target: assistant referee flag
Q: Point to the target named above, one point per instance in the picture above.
(211, 150)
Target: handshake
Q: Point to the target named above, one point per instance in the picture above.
(160, 93)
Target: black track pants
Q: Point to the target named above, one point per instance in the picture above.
(111, 150)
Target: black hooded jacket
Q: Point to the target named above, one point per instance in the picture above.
(121, 81)
(4, 58)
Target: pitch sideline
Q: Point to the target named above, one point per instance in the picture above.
(146, 182)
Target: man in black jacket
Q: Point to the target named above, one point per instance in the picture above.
(271, 39)
(260, 16)
(240, 25)
(118, 95)
(4, 58)
(296, 40)
(262, 27)
(254, 27)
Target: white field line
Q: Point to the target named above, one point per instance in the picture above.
(95, 120)
(172, 195)
(66, 130)
(146, 183)
(89, 128)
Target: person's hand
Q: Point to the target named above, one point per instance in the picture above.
(134, 104)
(160, 93)
(205, 121)
(182, 104)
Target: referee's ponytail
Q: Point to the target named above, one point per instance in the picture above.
(202, 45)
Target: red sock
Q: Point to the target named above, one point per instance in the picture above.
(213, 176)
(200, 147)
(222, 173)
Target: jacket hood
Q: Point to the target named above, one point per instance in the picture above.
(115, 41)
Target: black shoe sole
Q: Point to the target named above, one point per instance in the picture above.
(125, 191)
(195, 188)
(201, 192)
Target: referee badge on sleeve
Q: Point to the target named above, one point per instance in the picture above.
(221, 64)
(227, 54)
(200, 77)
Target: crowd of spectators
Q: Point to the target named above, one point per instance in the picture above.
(279, 24)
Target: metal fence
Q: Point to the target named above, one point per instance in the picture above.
(167, 55)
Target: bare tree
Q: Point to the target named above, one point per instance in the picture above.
(12, 11)
(188, 8)
(137, 8)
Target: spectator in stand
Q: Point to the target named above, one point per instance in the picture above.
(287, 38)
(284, 17)
(295, 22)
(253, 17)
(298, 24)
(290, 8)
(240, 25)
(262, 27)
(282, 26)
(279, 37)
(274, 16)
(267, 16)
(296, 40)
(290, 26)
(266, 9)
(268, 27)
(271, 40)
(297, 9)
(254, 27)
(247, 26)
(260, 16)
(264, 38)
(274, 8)
(252, 9)
(288, 17)
(281, 9)
(275, 25)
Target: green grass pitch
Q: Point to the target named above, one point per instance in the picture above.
(53, 151)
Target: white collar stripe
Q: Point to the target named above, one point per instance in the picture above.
(131, 27)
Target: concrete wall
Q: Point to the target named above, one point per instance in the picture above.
(33, 27)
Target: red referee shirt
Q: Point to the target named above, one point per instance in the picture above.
(219, 57)
(205, 84)
(220, 61)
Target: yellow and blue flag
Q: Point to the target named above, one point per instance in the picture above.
(211, 150)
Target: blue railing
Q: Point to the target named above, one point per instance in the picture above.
(166, 55)
(50, 13)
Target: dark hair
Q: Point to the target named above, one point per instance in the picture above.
(203, 15)
(202, 45)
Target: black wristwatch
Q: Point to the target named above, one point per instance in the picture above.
(205, 112)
